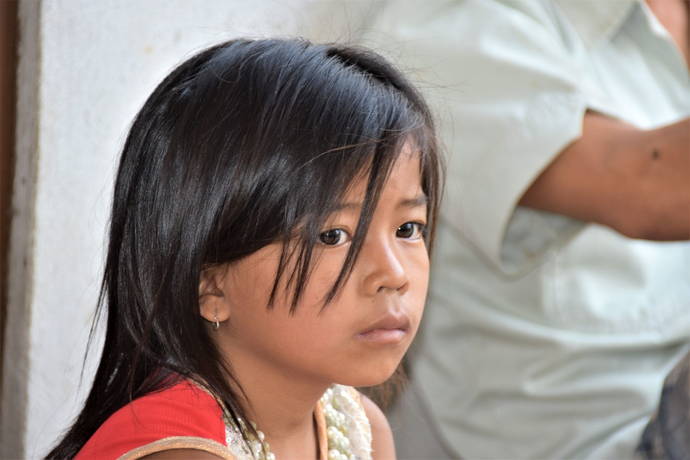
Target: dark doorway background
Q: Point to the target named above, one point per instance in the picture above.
(8, 71)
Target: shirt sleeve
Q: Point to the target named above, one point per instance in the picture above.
(504, 82)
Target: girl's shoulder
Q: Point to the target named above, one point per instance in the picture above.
(181, 416)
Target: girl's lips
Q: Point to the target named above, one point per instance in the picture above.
(391, 328)
(383, 336)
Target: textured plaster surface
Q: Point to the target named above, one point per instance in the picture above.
(86, 67)
(21, 264)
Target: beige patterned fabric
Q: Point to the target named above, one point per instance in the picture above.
(180, 442)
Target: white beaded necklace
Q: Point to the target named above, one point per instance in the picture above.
(339, 447)
(334, 403)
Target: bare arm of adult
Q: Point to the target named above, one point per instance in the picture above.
(382, 437)
(182, 454)
(634, 181)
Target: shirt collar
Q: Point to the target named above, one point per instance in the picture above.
(596, 20)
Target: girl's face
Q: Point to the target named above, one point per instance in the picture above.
(360, 337)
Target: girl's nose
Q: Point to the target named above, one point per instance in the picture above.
(384, 268)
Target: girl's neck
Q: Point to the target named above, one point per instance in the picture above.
(281, 404)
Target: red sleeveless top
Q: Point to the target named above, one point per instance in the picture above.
(182, 416)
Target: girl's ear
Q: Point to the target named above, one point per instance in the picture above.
(213, 302)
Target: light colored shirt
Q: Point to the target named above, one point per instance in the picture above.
(544, 337)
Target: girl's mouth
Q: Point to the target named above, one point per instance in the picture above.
(391, 328)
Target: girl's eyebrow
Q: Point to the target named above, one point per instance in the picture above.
(417, 201)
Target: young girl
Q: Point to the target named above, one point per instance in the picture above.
(268, 251)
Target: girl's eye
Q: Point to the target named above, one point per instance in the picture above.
(333, 237)
(410, 231)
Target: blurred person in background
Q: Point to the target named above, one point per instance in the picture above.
(560, 295)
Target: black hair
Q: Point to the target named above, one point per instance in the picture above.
(247, 143)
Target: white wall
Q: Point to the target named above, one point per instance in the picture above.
(86, 66)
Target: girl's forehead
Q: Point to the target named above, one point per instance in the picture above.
(405, 177)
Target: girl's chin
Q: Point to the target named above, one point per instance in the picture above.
(371, 379)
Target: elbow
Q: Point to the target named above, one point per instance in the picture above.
(639, 231)
(655, 227)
